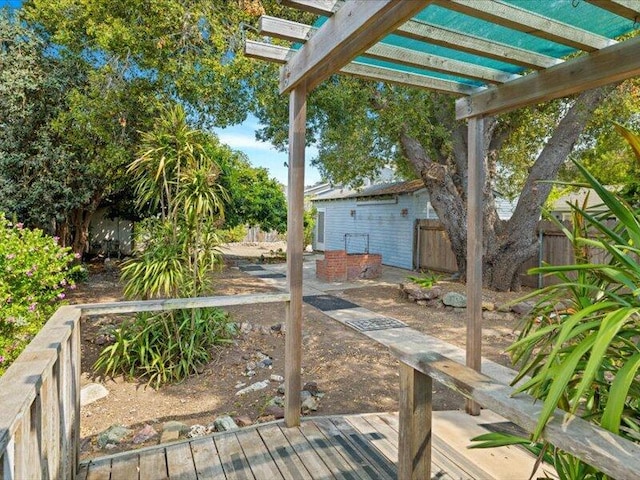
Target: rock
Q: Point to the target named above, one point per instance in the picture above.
(251, 366)
(245, 327)
(304, 394)
(224, 424)
(436, 303)
(278, 401)
(522, 308)
(91, 393)
(267, 362)
(113, 435)
(281, 389)
(275, 411)
(422, 303)
(455, 299)
(240, 385)
(250, 373)
(243, 421)
(309, 405)
(413, 292)
(488, 306)
(276, 378)
(147, 433)
(197, 431)
(416, 293)
(276, 328)
(254, 387)
(265, 330)
(311, 387)
(171, 431)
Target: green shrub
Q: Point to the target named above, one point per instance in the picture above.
(427, 280)
(235, 234)
(166, 347)
(34, 272)
(579, 345)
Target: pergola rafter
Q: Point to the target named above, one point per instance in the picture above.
(498, 55)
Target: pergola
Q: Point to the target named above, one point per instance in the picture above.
(496, 55)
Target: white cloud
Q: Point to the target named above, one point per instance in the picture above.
(241, 141)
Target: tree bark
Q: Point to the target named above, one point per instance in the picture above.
(507, 244)
(81, 219)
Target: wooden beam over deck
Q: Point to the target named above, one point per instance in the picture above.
(507, 15)
(179, 303)
(475, 237)
(295, 249)
(356, 26)
(299, 32)
(625, 8)
(616, 63)
(319, 7)
(278, 54)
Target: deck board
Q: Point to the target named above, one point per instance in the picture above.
(153, 464)
(206, 459)
(351, 447)
(283, 454)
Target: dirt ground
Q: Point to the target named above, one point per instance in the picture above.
(355, 374)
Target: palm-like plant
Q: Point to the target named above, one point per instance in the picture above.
(581, 343)
(177, 174)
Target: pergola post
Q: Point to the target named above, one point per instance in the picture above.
(475, 184)
(295, 248)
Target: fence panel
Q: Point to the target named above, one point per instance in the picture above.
(433, 251)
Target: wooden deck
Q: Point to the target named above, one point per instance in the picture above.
(349, 447)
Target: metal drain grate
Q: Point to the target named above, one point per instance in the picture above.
(375, 323)
(251, 268)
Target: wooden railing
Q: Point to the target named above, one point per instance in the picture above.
(40, 392)
(40, 403)
(617, 457)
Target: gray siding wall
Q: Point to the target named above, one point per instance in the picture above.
(390, 233)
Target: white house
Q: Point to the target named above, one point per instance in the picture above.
(380, 219)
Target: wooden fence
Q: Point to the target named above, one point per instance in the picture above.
(433, 251)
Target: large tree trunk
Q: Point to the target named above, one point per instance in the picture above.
(80, 220)
(507, 244)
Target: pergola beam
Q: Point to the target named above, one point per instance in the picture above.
(612, 64)
(445, 37)
(319, 7)
(356, 26)
(298, 32)
(525, 21)
(279, 54)
(624, 8)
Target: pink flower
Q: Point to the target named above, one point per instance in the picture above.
(76, 255)
(1, 359)
(29, 273)
(72, 286)
(63, 282)
(20, 225)
(61, 295)
(32, 307)
(11, 256)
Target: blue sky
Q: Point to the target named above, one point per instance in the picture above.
(242, 137)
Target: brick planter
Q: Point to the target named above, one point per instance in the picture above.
(338, 266)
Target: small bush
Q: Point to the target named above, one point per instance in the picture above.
(34, 272)
(235, 234)
(427, 280)
(166, 347)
